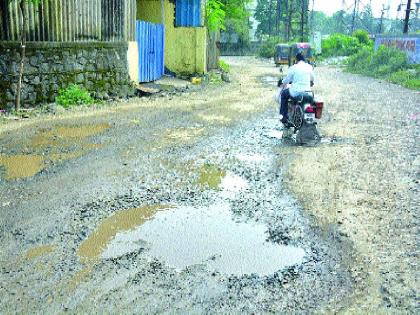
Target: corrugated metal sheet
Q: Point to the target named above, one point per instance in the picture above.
(188, 13)
(70, 20)
(151, 42)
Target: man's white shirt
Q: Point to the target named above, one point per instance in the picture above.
(301, 75)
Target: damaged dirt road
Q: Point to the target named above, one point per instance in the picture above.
(190, 203)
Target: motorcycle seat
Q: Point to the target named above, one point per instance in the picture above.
(303, 98)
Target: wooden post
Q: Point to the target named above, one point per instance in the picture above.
(23, 23)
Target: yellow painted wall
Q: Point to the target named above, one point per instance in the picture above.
(185, 47)
(133, 61)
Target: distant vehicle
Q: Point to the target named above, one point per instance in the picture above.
(282, 55)
(305, 49)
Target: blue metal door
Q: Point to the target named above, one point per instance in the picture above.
(151, 41)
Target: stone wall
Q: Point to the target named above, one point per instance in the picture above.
(100, 67)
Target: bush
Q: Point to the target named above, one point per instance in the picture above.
(340, 45)
(268, 48)
(385, 61)
(343, 45)
(74, 95)
(362, 36)
(224, 66)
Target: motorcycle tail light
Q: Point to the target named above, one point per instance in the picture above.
(319, 107)
(309, 109)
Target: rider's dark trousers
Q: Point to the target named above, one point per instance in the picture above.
(285, 95)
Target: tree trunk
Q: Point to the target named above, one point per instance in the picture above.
(270, 32)
(286, 10)
(23, 23)
(278, 17)
(289, 20)
(302, 22)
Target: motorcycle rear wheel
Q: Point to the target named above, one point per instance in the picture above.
(298, 117)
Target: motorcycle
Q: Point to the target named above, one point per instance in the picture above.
(304, 113)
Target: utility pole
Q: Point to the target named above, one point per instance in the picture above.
(382, 18)
(278, 17)
(313, 16)
(289, 19)
(343, 9)
(407, 17)
(269, 18)
(355, 13)
(302, 22)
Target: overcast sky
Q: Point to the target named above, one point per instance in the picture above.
(331, 6)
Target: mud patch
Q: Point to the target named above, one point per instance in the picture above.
(39, 251)
(211, 176)
(184, 134)
(334, 140)
(66, 135)
(187, 236)
(215, 118)
(21, 166)
(251, 158)
(58, 144)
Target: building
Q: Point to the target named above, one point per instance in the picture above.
(103, 45)
(79, 41)
(184, 43)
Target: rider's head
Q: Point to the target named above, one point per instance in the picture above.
(300, 57)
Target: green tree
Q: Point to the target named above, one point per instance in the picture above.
(367, 20)
(237, 18)
(287, 18)
(215, 14)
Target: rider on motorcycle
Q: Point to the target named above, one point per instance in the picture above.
(301, 76)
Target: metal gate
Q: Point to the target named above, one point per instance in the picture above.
(151, 40)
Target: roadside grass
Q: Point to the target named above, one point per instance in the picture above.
(389, 64)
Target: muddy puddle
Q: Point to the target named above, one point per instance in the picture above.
(21, 166)
(211, 175)
(39, 251)
(91, 248)
(56, 144)
(251, 158)
(212, 118)
(270, 80)
(183, 236)
(337, 140)
(186, 236)
(66, 135)
(274, 134)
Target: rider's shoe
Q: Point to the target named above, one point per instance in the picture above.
(286, 123)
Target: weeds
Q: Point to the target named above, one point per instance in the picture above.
(74, 95)
(224, 66)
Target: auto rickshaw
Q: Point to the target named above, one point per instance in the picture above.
(282, 55)
(305, 49)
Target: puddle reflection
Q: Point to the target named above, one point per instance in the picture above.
(186, 236)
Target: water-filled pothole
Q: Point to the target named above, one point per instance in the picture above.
(271, 80)
(186, 236)
(251, 158)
